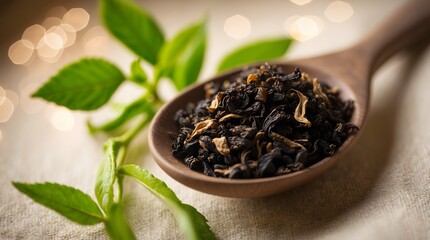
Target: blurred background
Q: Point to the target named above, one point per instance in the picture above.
(38, 37)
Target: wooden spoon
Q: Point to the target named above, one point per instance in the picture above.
(350, 70)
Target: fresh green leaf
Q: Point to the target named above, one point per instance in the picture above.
(175, 48)
(259, 51)
(83, 85)
(117, 226)
(69, 202)
(141, 105)
(188, 68)
(134, 27)
(182, 57)
(106, 176)
(192, 223)
(138, 75)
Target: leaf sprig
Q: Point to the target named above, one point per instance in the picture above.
(89, 83)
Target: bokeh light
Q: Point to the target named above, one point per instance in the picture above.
(78, 18)
(237, 26)
(12, 96)
(6, 110)
(55, 58)
(21, 51)
(95, 40)
(55, 37)
(46, 52)
(303, 28)
(2, 95)
(70, 34)
(57, 31)
(339, 11)
(34, 33)
(63, 120)
(307, 26)
(50, 22)
(300, 2)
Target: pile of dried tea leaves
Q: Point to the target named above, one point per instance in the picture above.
(262, 123)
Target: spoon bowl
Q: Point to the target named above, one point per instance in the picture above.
(160, 144)
(349, 70)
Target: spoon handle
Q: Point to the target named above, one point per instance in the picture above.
(406, 27)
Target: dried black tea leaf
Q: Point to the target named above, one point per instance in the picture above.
(285, 140)
(215, 103)
(251, 78)
(228, 116)
(299, 113)
(201, 127)
(221, 145)
(319, 93)
(262, 123)
(261, 94)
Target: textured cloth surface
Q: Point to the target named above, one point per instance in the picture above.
(379, 190)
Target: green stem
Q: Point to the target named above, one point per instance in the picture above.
(152, 88)
(123, 117)
(154, 93)
(121, 155)
(120, 187)
(157, 77)
(120, 160)
(130, 134)
(125, 140)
